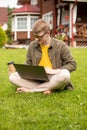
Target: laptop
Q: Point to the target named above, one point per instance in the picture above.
(31, 72)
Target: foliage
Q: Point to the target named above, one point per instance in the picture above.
(9, 17)
(9, 35)
(62, 37)
(65, 110)
(3, 37)
(8, 31)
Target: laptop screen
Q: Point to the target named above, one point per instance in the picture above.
(31, 72)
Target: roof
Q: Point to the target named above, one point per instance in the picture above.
(3, 15)
(27, 8)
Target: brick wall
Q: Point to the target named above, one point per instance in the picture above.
(47, 6)
(21, 35)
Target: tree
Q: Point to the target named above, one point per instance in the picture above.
(3, 37)
(8, 31)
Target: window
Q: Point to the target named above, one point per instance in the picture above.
(34, 2)
(22, 23)
(33, 20)
(49, 18)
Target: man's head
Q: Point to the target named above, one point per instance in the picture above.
(40, 28)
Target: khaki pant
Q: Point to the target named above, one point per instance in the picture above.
(57, 81)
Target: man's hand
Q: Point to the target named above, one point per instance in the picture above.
(52, 71)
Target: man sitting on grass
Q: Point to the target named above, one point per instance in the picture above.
(51, 53)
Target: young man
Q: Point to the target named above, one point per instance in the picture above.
(54, 55)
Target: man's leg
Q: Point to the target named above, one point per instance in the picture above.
(18, 81)
(22, 83)
(57, 81)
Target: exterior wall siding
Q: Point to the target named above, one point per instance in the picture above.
(47, 6)
(21, 35)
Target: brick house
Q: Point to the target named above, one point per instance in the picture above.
(4, 18)
(60, 12)
(22, 21)
(30, 12)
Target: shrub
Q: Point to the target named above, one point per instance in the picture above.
(3, 37)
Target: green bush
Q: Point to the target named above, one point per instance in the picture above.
(3, 37)
(9, 35)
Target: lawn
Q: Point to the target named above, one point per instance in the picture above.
(65, 110)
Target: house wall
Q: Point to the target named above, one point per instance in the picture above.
(47, 6)
(22, 35)
(21, 2)
(4, 18)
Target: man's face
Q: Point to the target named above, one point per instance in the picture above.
(42, 38)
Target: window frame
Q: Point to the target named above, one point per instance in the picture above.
(21, 27)
(34, 2)
(49, 18)
(32, 23)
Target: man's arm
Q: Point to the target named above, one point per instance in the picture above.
(52, 71)
(68, 61)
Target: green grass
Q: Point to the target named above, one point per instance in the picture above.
(65, 110)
